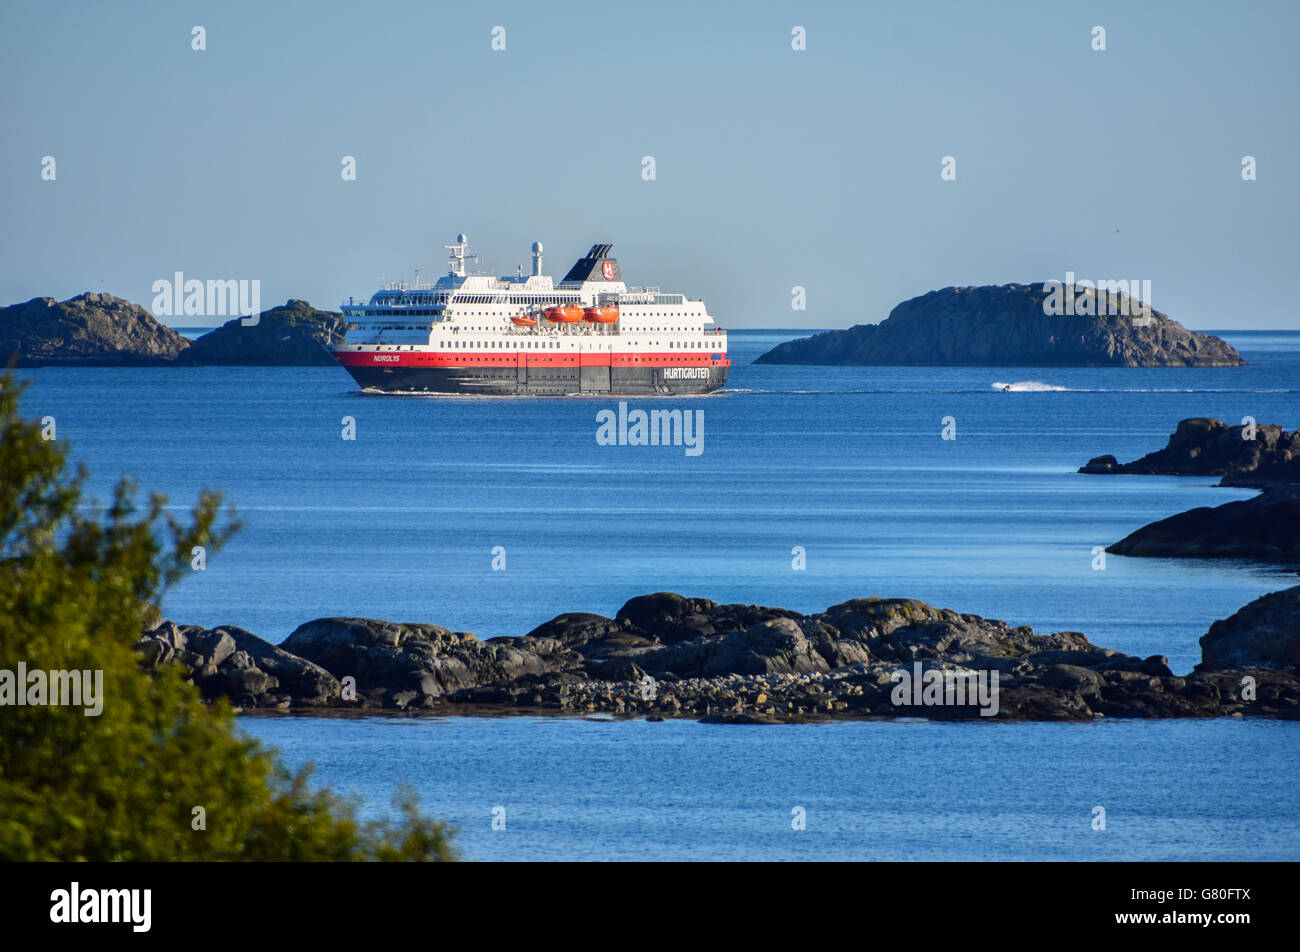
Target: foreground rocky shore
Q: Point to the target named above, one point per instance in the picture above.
(1013, 325)
(1263, 456)
(665, 655)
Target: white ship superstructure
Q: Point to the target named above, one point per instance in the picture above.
(476, 333)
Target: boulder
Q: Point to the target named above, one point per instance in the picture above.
(576, 628)
(1100, 465)
(234, 663)
(778, 645)
(1264, 633)
(668, 617)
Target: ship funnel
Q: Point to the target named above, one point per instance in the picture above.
(537, 257)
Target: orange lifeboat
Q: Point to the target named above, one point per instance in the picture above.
(600, 315)
(523, 320)
(563, 315)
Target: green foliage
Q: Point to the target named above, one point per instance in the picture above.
(74, 595)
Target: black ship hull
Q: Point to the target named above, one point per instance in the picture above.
(542, 381)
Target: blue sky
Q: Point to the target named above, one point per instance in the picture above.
(774, 168)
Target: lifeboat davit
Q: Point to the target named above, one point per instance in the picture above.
(563, 315)
(600, 315)
(523, 320)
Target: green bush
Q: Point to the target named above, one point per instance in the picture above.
(75, 590)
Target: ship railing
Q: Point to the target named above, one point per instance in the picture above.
(408, 286)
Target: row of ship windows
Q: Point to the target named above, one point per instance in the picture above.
(516, 299)
(408, 312)
(545, 299)
(527, 345)
(544, 344)
(481, 299)
(425, 327)
(479, 345)
(640, 360)
(498, 314)
(405, 327)
(480, 327)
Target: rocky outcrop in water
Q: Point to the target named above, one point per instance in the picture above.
(89, 330)
(1244, 455)
(1263, 634)
(1008, 325)
(1266, 527)
(296, 334)
(414, 665)
(669, 655)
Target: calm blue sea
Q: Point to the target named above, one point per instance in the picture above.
(579, 789)
(847, 463)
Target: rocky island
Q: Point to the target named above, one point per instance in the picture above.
(1010, 325)
(666, 655)
(89, 330)
(293, 335)
(105, 331)
(1262, 456)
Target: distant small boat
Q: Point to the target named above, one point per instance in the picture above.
(523, 320)
(600, 315)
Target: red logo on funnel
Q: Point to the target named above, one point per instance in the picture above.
(607, 269)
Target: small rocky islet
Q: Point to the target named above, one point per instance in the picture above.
(1265, 527)
(667, 655)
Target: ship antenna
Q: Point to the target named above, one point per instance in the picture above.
(458, 255)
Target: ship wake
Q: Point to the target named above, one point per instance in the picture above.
(1027, 386)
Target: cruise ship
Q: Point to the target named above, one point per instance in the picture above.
(476, 333)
